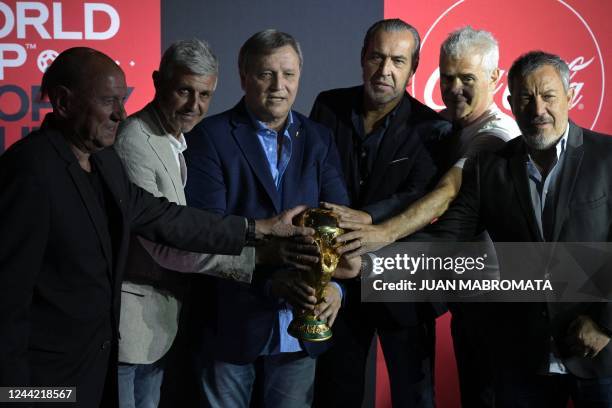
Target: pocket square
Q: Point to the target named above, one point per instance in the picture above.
(399, 160)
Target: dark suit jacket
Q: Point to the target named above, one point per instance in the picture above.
(406, 166)
(495, 195)
(61, 263)
(229, 174)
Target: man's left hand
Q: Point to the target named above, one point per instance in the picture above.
(347, 214)
(282, 225)
(289, 286)
(586, 338)
(328, 309)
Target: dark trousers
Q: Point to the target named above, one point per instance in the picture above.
(516, 389)
(408, 351)
(471, 338)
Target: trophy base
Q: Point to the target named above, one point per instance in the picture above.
(309, 329)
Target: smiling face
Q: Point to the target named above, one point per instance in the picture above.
(95, 112)
(540, 105)
(271, 84)
(183, 99)
(466, 88)
(387, 66)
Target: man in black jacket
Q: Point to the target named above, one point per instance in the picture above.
(66, 211)
(386, 140)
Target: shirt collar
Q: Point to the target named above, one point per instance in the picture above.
(180, 144)
(560, 148)
(259, 125)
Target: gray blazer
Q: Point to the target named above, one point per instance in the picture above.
(150, 298)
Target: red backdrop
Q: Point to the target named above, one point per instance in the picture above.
(32, 33)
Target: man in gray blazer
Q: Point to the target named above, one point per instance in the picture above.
(150, 144)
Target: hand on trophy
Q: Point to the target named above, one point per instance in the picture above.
(362, 238)
(327, 310)
(348, 268)
(281, 225)
(346, 214)
(299, 252)
(289, 286)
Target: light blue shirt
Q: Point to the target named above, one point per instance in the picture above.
(277, 164)
(542, 189)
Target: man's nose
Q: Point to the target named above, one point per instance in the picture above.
(277, 82)
(539, 106)
(385, 67)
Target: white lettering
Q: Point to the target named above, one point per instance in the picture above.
(90, 34)
(11, 62)
(35, 21)
(9, 20)
(430, 85)
(58, 31)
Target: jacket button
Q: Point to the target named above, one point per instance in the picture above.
(106, 345)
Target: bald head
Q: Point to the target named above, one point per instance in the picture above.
(87, 91)
(75, 69)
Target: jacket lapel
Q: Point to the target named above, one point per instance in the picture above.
(518, 172)
(88, 196)
(157, 140)
(293, 173)
(247, 140)
(568, 177)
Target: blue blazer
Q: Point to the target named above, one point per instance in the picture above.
(228, 173)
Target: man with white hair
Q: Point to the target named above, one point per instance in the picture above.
(469, 75)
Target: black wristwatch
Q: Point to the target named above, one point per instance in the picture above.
(251, 237)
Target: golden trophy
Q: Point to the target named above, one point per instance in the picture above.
(305, 326)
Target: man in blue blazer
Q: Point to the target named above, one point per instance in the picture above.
(258, 158)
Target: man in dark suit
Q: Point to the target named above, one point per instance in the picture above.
(385, 139)
(549, 185)
(259, 158)
(66, 210)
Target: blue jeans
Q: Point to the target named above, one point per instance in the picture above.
(139, 384)
(551, 391)
(285, 380)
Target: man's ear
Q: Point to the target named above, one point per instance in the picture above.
(509, 99)
(242, 81)
(570, 96)
(495, 76)
(62, 101)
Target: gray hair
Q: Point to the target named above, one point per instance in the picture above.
(193, 55)
(466, 41)
(392, 25)
(529, 62)
(263, 43)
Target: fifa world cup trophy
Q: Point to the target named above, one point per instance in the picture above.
(305, 326)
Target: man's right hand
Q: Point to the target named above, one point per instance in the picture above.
(299, 252)
(290, 287)
(281, 225)
(361, 238)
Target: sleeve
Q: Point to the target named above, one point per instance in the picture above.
(418, 183)
(333, 187)
(461, 222)
(158, 220)
(239, 268)
(484, 142)
(135, 154)
(24, 217)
